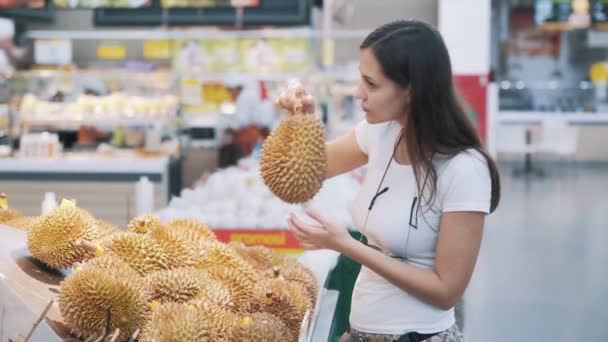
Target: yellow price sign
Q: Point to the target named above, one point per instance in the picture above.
(111, 50)
(157, 49)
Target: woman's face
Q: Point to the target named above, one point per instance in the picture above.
(382, 99)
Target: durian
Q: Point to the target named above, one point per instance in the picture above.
(23, 223)
(112, 265)
(221, 321)
(242, 291)
(54, 238)
(219, 254)
(284, 300)
(178, 285)
(174, 322)
(215, 293)
(296, 272)
(180, 252)
(193, 230)
(105, 229)
(144, 224)
(260, 257)
(7, 214)
(141, 252)
(261, 327)
(86, 296)
(293, 160)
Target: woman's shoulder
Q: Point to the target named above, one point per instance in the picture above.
(467, 161)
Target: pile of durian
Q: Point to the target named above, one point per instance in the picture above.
(169, 282)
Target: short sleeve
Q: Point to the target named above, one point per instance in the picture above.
(363, 132)
(465, 184)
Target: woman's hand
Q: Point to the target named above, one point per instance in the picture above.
(294, 96)
(329, 235)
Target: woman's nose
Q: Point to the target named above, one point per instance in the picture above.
(359, 93)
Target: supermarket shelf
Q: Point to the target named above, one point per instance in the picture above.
(524, 117)
(192, 34)
(85, 164)
(101, 123)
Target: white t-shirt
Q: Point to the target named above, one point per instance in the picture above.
(463, 184)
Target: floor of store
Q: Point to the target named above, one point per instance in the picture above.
(541, 273)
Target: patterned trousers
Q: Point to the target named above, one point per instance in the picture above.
(453, 334)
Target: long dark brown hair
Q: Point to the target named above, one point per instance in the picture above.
(413, 55)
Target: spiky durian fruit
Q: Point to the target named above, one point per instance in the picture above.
(242, 290)
(284, 300)
(174, 322)
(180, 252)
(178, 285)
(141, 252)
(113, 265)
(221, 321)
(261, 327)
(215, 293)
(7, 214)
(260, 257)
(105, 229)
(54, 239)
(23, 223)
(298, 273)
(86, 296)
(144, 224)
(219, 254)
(193, 230)
(293, 159)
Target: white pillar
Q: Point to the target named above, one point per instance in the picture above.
(465, 27)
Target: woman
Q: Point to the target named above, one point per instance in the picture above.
(427, 190)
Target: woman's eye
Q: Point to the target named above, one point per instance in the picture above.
(370, 84)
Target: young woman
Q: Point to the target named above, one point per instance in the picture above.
(428, 188)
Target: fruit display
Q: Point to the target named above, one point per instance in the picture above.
(131, 281)
(115, 106)
(293, 159)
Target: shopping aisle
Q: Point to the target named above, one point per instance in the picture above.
(542, 273)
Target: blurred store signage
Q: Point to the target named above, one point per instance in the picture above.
(111, 50)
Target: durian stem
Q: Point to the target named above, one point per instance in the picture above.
(115, 335)
(40, 318)
(134, 336)
(89, 246)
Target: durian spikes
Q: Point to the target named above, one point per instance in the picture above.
(180, 252)
(141, 252)
(173, 322)
(86, 296)
(260, 257)
(293, 160)
(144, 224)
(215, 293)
(261, 327)
(219, 254)
(105, 229)
(53, 238)
(284, 300)
(178, 285)
(193, 230)
(242, 291)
